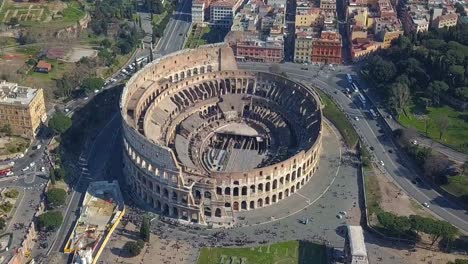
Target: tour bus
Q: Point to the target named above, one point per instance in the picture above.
(349, 78)
(373, 114)
(362, 99)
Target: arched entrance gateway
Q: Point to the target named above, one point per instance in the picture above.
(204, 140)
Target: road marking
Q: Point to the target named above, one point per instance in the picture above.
(405, 178)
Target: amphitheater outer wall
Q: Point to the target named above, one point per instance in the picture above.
(155, 176)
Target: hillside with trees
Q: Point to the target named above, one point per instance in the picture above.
(424, 80)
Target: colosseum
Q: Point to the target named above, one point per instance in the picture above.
(204, 140)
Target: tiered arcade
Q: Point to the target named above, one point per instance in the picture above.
(204, 139)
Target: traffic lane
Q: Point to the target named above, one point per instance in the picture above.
(441, 206)
(394, 165)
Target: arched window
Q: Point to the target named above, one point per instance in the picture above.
(218, 212)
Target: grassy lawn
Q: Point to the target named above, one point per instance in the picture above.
(457, 133)
(338, 118)
(290, 252)
(457, 185)
(373, 195)
(14, 145)
(205, 35)
(41, 15)
(58, 69)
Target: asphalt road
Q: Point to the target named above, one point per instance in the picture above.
(176, 30)
(93, 162)
(395, 164)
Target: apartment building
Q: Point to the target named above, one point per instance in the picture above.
(198, 11)
(222, 12)
(445, 21)
(416, 19)
(327, 49)
(309, 17)
(247, 46)
(22, 108)
(304, 44)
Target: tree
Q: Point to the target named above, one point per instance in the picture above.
(460, 9)
(436, 88)
(92, 83)
(145, 229)
(56, 197)
(2, 223)
(400, 96)
(52, 176)
(60, 173)
(50, 220)
(464, 167)
(458, 261)
(436, 166)
(6, 129)
(60, 122)
(382, 71)
(133, 248)
(443, 123)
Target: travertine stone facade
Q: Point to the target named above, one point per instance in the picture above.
(203, 139)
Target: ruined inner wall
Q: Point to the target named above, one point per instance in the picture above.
(157, 176)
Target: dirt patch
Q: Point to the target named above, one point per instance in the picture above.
(393, 198)
(77, 53)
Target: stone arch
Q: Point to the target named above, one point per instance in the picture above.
(227, 205)
(175, 212)
(236, 191)
(166, 193)
(273, 198)
(267, 200)
(293, 189)
(244, 205)
(267, 186)
(252, 188)
(157, 205)
(218, 212)
(252, 205)
(219, 191)
(207, 211)
(158, 189)
(260, 187)
(293, 178)
(280, 196)
(166, 209)
(207, 195)
(227, 191)
(286, 193)
(244, 190)
(298, 185)
(197, 194)
(299, 172)
(235, 206)
(260, 202)
(288, 177)
(302, 181)
(174, 195)
(275, 184)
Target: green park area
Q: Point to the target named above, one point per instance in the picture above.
(45, 14)
(290, 252)
(339, 120)
(443, 124)
(204, 35)
(458, 186)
